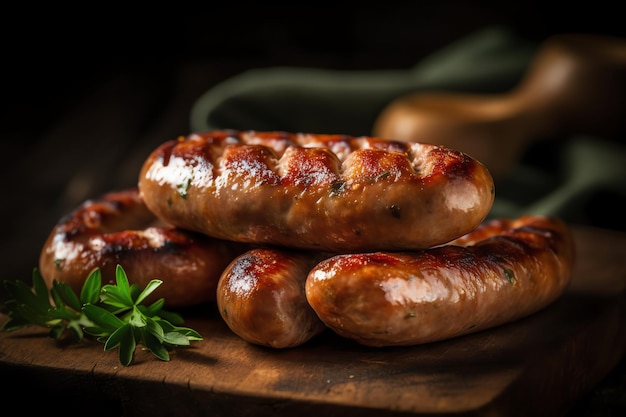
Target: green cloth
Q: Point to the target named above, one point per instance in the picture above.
(582, 179)
(317, 100)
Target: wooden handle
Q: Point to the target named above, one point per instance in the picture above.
(576, 84)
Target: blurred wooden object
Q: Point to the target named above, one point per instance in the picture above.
(576, 84)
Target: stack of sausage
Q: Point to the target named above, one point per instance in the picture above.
(381, 241)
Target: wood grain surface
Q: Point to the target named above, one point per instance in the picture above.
(540, 365)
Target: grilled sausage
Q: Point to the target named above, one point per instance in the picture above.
(503, 271)
(330, 193)
(261, 297)
(119, 229)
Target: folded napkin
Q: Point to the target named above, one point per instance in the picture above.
(581, 179)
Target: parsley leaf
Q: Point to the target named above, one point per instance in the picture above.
(113, 314)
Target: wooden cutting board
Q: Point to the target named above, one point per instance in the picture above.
(537, 366)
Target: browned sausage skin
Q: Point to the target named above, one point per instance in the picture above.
(323, 192)
(512, 269)
(118, 229)
(261, 297)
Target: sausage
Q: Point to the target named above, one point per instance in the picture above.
(331, 193)
(261, 297)
(117, 228)
(503, 271)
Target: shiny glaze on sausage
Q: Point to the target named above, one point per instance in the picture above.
(503, 271)
(261, 297)
(332, 193)
(119, 229)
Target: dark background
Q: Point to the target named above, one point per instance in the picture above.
(87, 95)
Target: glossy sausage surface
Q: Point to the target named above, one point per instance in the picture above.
(503, 271)
(117, 228)
(261, 297)
(330, 193)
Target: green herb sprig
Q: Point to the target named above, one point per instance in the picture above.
(113, 314)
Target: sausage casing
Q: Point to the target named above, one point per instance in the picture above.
(511, 269)
(261, 297)
(330, 193)
(117, 228)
